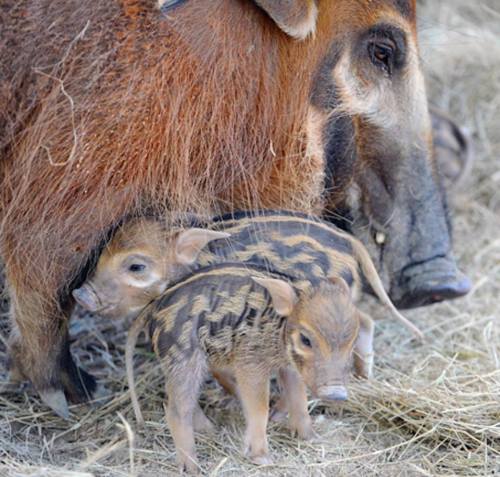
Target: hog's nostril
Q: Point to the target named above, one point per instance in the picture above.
(429, 282)
(461, 287)
(435, 293)
(452, 289)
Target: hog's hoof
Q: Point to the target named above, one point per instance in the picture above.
(79, 386)
(56, 400)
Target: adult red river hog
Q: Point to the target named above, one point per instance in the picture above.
(111, 108)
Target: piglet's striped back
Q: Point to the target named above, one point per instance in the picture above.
(297, 245)
(291, 243)
(210, 309)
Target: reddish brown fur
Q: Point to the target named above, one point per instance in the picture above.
(115, 107)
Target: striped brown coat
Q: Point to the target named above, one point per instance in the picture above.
(240, 319)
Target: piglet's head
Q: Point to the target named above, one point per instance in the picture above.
(138, 264)
(321, 331)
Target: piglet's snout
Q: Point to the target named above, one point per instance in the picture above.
(87, 298)
(333, 393)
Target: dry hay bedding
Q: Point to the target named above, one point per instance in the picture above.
(432, 409)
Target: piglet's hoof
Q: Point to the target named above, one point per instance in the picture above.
(302, 429)
(258, 453)
(189, 466)
(279, 411)
(262, 459)
(201, 423)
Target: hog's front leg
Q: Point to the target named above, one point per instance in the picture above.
(363, 348)
(253, 389)
(294, 393)
(39, 350)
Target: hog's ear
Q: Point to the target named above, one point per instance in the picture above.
(296, 18)
(341, 284)
(190, 242)
(282, 294)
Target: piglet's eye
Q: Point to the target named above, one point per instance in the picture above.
(136, 267)
(305, 340)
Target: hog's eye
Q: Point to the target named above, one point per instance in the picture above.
(305, 340)
(136, 267)
(382, 55)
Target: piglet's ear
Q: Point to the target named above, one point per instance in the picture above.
(297, 18)
(190, 242)
(282, 294)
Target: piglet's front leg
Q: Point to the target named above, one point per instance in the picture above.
(363, 348)
(294, 393)
(182, 391)
(254, 394)
(201, 423)
(180, 422)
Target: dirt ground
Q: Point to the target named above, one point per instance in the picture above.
(431, 410)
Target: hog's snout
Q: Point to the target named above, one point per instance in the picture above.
(429, 282)
(87, 298)
(333, 393)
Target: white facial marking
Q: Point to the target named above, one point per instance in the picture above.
(145, 282)
(315, 124)
(384, 103)
(374, 102)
